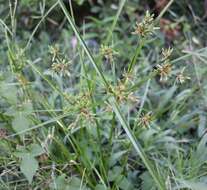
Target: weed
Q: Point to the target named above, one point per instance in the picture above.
(69, 120)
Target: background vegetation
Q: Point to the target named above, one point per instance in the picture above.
(91, 100)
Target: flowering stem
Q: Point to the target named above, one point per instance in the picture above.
(139, 149)
(137, 52)
(114, 70)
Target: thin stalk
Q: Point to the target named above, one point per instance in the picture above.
(164, 10)
(37, 26)
(40, 125)
(137, 53)
(71, 10)
(121, 6)
(144, 97)
(71, 140)
(113, 68)
(6, 27)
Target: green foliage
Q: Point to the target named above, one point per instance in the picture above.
(20, 123)
(61, 183)
(29, 165)
(93, 100)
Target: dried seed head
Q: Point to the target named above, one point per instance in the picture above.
(181, 78)
(83, 100)
(122, 94)
(61, 66)
(120, 91)
(146, 119)
(107, 52)
(164, 71)
(166, 53)
(146, 27)
(149, 18)
(19, 59)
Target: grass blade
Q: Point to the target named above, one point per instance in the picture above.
(137, 146)
(70, 20)
(121, 6)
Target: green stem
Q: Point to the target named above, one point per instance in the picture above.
(137, 53)
(82, 42)
(122, 3)
(164, 10)
(137, 146)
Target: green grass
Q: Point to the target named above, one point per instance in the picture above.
(76, 116)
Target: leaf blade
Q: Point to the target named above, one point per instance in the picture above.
(29, 166)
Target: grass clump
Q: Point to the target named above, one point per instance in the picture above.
(92, 106)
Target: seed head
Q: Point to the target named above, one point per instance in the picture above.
(107, 52)
(146, 119)
(146, 27)
(122, 94)
(166, 53)
(61, 66)
(181, 78)
(164, 71)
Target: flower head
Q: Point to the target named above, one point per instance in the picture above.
(181, 78)
(164, 71)
(61, 66)
(146, 27)
(107, 52)
(122, 94)
(166, 53)
(146, 119)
